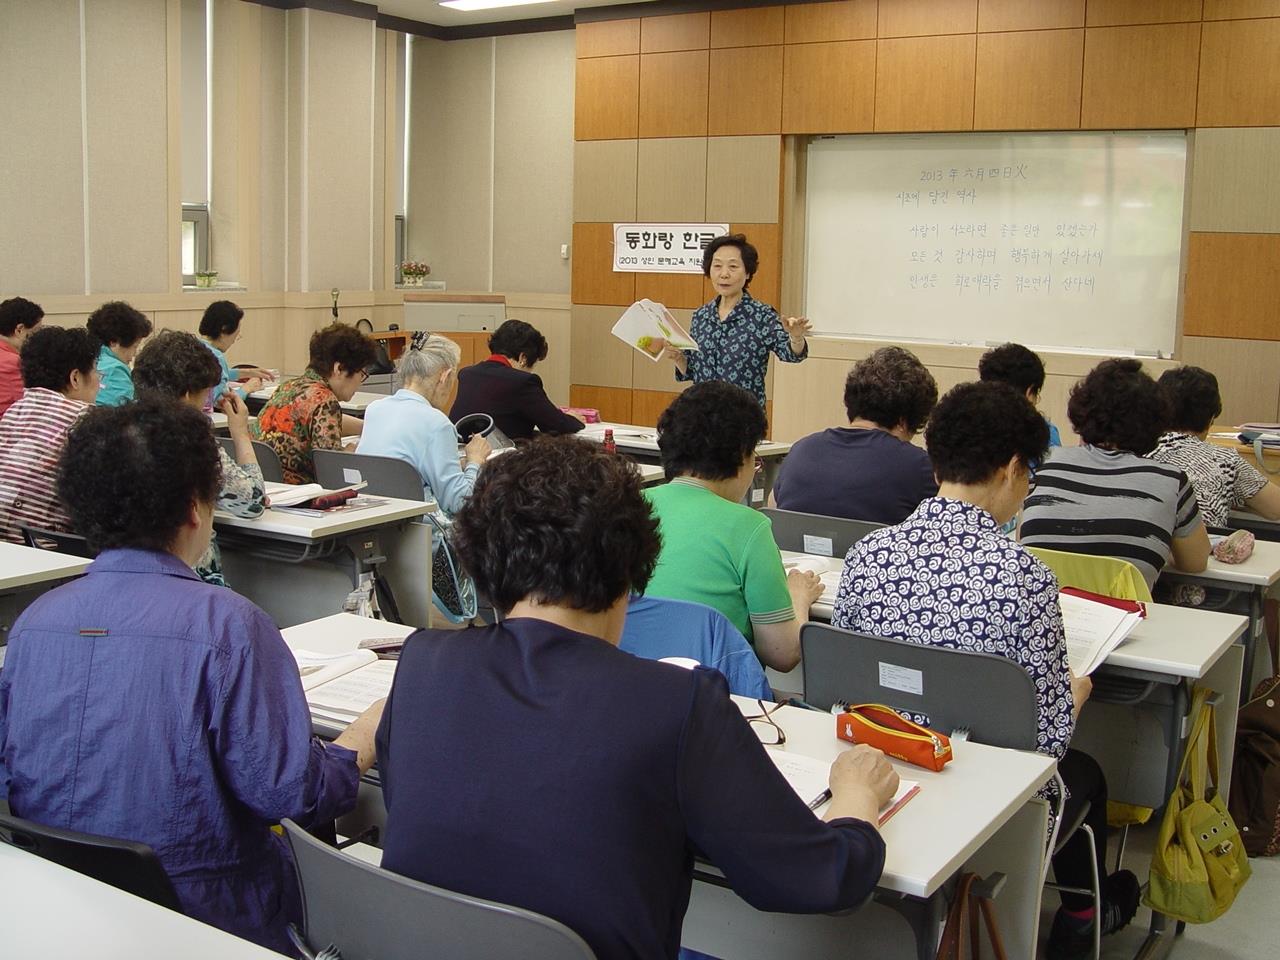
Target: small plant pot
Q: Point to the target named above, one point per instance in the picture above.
(206, 280)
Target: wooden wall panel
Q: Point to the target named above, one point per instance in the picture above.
(1240, 9)
(673, 290)
(825, 22)
(1234, 187)
(607, 38)
(1029, 14)
(927, 18)
(647, 406)
(604, 180)
(606, 98)
(597, 357)
(593, 278)
(1246, 372)
(751, 27)
(767, 239)
(753, 107)
(829, 87)
(1108, 13)
(614, 403)
(671, 182)
(673, 94)
(1233, 286)
(742, 179)
(925, 83)
(1140, 77)
(1240, 74)
(684, 31)
(1028, 80)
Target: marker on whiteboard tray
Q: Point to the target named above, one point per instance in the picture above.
(1154, 354)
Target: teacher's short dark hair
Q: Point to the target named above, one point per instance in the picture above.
(220, 318)
(18, 312)
(1193, 396)
(560, 521)
(50, 354)
(890, 387)
(118, 322)
(977, 428)
(130, 474)
(1117, 406)
(1014, 364)
(341, 344)
(174, 364)
(750, 256)
(515, 337)
(710, 430)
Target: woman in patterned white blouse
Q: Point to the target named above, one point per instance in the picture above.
(948, 577)
(735, 332)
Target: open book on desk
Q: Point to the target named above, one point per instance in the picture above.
(1093, 630)
(809, 778)
(293, 495)
(340, 687)
(822, 567)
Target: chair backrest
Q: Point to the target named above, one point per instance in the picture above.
(991, 695)
(1108, 576)
(813, 533)
(61, 541)
(125, 864)
(268, 460)
(385, 476)
(372, 914)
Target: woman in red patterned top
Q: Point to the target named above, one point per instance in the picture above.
(61, 377)
(304, 413)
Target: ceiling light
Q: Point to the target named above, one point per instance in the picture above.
(486, 4)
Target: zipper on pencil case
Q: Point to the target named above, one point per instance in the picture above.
(938, 749)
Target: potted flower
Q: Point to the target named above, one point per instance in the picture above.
(206, 278)
(414, 272)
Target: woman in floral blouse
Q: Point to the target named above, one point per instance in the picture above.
(304, 413)
(177, 366)
(735, 332)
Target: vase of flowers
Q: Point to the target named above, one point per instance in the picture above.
(414, 272)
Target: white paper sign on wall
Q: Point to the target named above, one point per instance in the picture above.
(662, 247)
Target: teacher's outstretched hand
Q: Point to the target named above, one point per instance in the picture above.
(797, 329)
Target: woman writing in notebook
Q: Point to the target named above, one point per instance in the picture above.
(734, 331)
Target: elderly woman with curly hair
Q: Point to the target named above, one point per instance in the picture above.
(1105, 497)
(868, 470)
(589, 775)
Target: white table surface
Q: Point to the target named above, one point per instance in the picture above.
(277, 523)
(22, 566)
(340, 633)
(956, 811)
(634, 437)
(357, 404)
(1260, 570)
(53, 913)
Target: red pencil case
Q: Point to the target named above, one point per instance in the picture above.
(885, 729)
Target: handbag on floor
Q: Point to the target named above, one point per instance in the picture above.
(1199, 863)
(1255, 776)
(966, 910)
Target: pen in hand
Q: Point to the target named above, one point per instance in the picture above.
(820, 799)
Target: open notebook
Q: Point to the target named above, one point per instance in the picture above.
(809, 778)
(340, 687)
(1093, 630)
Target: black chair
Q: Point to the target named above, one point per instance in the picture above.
(125, 864)
(385, 476)
(813, 533)
(268, 461)
(60, 541)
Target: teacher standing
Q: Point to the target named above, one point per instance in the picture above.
(735, 332)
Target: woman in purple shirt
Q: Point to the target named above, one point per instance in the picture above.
(140, 702)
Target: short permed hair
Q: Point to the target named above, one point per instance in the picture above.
(710, 430)
(18, 312)
(341, 344)
(1117, 406)
(1193, 397)
(220, 317)
(1014, 364)
(130, 474)
(515, 337)
(750, 256)
(50, 354)
(890, 387)
(174, 364)
(560, 521)
(979, 427)
(117, 322)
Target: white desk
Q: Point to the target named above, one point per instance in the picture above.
(340, 633)
(358, 403)
(1262, 528)
(25, 573)
(51, 912)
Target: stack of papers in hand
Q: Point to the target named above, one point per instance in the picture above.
(809, 778)
(649, 327)
(822, 567)
(340, 687)
(1093, 629)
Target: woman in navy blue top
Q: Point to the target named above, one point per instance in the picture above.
(534, 763)
(735, 332)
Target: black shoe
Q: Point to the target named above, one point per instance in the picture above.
(1072, 939)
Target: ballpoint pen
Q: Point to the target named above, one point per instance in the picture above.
(820, 799)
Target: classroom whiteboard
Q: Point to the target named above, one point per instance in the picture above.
(1066, 240)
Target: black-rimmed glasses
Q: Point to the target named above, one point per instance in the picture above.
(766, 728)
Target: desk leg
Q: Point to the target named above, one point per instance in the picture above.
(1257, 634)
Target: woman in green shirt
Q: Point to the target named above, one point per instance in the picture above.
(120, 329)
(715, 550)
